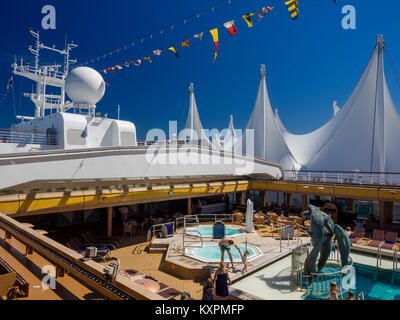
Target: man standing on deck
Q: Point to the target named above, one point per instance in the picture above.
(226, 244)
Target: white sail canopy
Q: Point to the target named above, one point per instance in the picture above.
(361, 136)
(193, 128)
(268, 140)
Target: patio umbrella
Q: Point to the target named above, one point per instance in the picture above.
(249, 217)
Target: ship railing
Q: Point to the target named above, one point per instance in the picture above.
(27, 137)
(50, 72)
(160, 142)
(195, 220)
(155, 229)
(344, 177)
(318, 283)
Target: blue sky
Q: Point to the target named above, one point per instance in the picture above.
(310, 62)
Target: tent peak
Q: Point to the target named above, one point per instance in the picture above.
(191, 88)
(263, 71)
(380, 42)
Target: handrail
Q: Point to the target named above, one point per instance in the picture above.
(395, 259)
(192, 235)
(379, 257)
(152, 230)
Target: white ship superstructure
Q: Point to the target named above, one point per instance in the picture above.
(69, 139)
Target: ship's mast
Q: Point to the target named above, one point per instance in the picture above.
(47, 75)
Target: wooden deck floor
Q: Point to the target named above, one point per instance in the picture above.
(30, 267)
(133, 255)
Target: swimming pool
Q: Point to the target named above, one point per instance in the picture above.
(212, 253)
(376, 284)
(207, 231)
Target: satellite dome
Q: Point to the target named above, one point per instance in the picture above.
(84, 86)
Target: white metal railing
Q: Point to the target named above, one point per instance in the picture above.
(206, 217)
(193, 234)
(288, 231)
(27, 137)
(345, 177)
(395, 260)
(379, 257)
(158, 228)
(318, 283)
(51, 72)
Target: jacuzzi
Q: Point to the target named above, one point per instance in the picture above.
(210, 252)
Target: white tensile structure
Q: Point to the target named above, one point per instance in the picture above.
(264, 131)
(193, 128)
(361, 137)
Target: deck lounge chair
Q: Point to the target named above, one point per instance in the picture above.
(357, 235)
(90, 236)
(165, 291)
(378, 239)
(102, 251)
(390, 240)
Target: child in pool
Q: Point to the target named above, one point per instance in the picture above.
(244, 260)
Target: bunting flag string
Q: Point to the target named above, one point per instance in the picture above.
(293, 8)
(214, 34)
(174, 51)
(161, 32)
(185, 43)
(199, 35)
(264, 11)
(229, 26)
(247, 18)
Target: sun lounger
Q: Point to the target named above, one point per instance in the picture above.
(357, 235)
(378, 238)
(75, 244)
(90, 236)
(165, 291)
(390, 240)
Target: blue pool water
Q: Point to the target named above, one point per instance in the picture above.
(213, 252)
(376, 284)
(207, 231)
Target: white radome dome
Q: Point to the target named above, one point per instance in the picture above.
(85, 86)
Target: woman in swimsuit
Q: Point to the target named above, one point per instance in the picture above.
(222, 281)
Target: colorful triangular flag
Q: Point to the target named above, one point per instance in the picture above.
(111, 70)
(119, 67)
(247, 18)
(137, 62)
(263, 12)
(127, 64)
(104, 71)
(230, 26)
(293, 8)
(148, 59)
(157, 52)
(185, 43)
(214, 33)
(174, 51)
(199, 36)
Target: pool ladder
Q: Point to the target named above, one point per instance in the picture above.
(198, 238)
